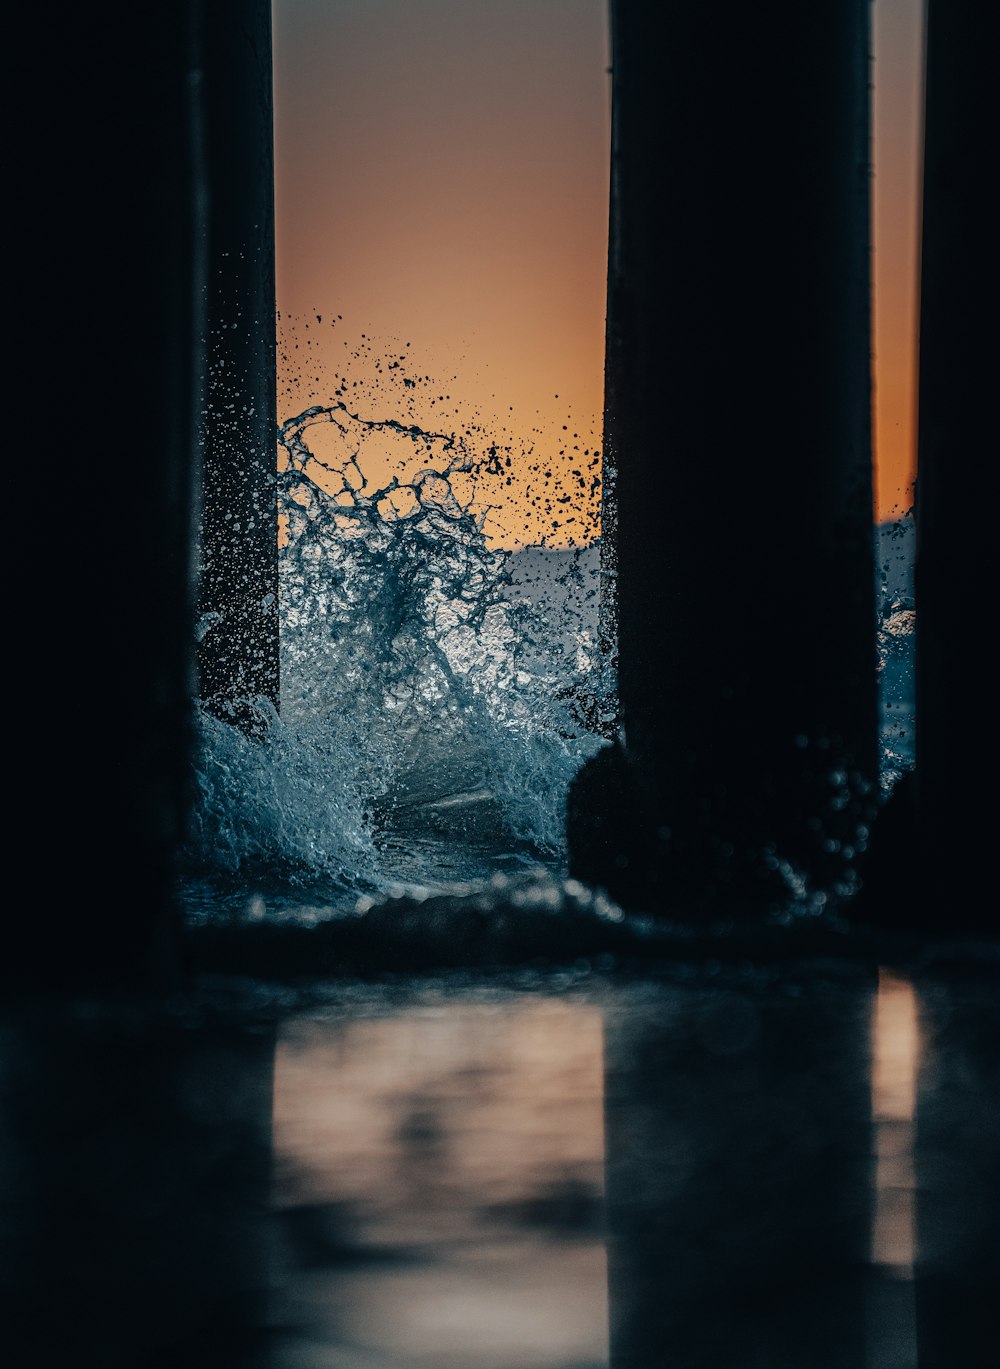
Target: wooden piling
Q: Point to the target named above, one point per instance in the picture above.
(737, 426)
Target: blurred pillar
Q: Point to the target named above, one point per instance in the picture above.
(238, 580)
(105, 596)
(146, 179)
(737, 429)
(738, 1138)
(956, 750)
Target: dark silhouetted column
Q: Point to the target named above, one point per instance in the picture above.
(737, 427)
(955, 564)
(238, 589)
(104, 587)
(145, 188)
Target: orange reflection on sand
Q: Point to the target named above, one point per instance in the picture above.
(895, 1055)
(895, 1062)
(439, 1169)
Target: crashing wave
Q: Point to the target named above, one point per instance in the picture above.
(432, 689)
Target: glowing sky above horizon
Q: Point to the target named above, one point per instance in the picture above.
(897, 41)
(441, 207)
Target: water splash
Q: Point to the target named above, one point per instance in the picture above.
(436, 690)
(896, 627)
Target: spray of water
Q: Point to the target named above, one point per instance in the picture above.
(437, 691)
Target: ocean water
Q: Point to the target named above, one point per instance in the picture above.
(438, 693)
(895, 548)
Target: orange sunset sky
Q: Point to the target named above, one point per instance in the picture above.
(442, 206)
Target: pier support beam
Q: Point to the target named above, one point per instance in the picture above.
(955, 564)
(238, 572)
(115, 271)
(737, 427)
(147, 151)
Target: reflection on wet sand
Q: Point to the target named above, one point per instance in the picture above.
(699, 1171)
(892, 1333)
(439, 1183)
(134, 1164)
(738, 1157)
(958, 1168)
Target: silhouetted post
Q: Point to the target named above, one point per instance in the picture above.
(238, 590)
(105, 585)
(149, 160)
(737, 426)
(956, 747)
